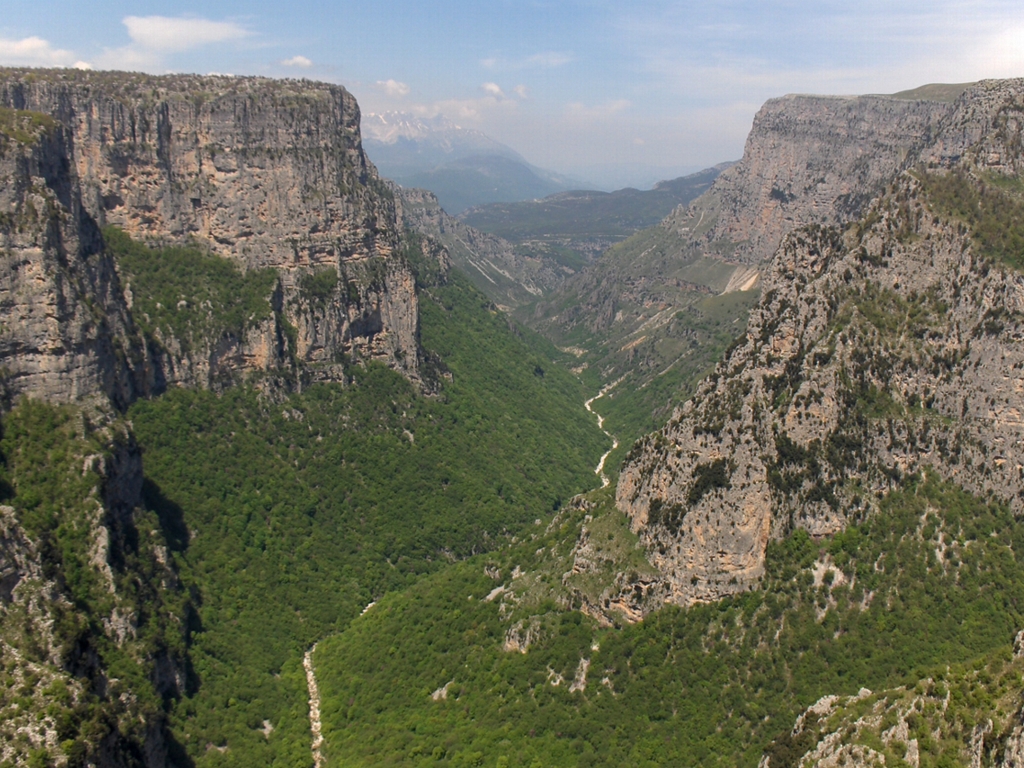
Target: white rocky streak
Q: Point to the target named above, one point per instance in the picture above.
(599, 470)
(579, 683)
(314, 708)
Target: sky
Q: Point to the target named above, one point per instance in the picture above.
(601, 90)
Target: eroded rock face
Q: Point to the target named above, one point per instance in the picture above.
(807, 160)
(887, 349)
(66, 331)
(267, 173)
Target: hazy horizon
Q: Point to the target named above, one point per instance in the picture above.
(583, 88)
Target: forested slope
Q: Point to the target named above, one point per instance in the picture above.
(296, 510)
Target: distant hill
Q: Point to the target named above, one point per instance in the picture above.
(582, 216)
(467, 182)
(463, 167)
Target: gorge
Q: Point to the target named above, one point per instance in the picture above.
(248, 391)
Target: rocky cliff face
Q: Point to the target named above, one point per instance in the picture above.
(889, 348)
(808, 160)
(266, 173)
(67, 333)
(491, 262)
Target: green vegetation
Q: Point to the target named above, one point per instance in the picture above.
(931, 579)
(317, 288)
(292, 513)
(52, 474)
(992, 207)
(23, 126)
(190, 295)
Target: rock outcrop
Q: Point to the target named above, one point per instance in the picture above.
(266, 173)
(81, 600)
(66, 331)
(890, 348)
(902, 725)
(807, 160)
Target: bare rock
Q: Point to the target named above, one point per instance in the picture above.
(65, 330)
(266, 173)
(878, 352)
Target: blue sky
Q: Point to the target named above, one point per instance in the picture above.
(576, 86)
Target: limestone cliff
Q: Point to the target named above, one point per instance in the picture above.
(66, 332)
(878, 351)
(807, 160)
(266, 173)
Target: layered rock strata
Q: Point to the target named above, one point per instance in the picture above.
(66, 331)
(889, 348)
(807, 160)
(266, 173)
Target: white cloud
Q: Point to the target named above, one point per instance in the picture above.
(521, 91)
(546, 60)
(34, 52)
(154, 37)
(577, 109)
(298, 61)
(393, 87)
(494, 89)
(168, 35)
(467, 110)
(129, 58)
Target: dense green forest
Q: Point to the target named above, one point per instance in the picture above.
(53, 468)
(933, 579)
(293, 512)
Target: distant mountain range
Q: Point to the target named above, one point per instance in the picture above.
(463, 167)
(582, 216)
